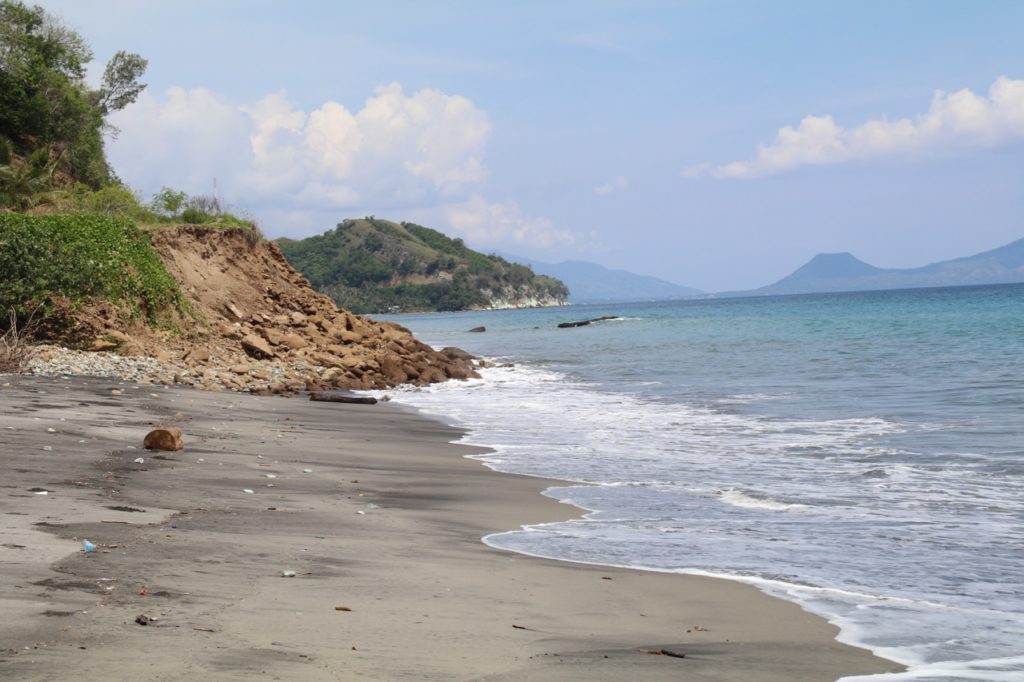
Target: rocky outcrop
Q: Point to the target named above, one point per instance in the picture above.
(584, 323)
(262, 328)
(512, 297)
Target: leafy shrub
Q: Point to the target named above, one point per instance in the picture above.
(79, 257)
(168, 203)
(115, 200)
(193, 216)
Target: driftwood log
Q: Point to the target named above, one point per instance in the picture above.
(334, 397)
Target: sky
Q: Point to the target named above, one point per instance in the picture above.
(715, 144)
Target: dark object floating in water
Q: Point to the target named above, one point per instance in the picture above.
(335, 397)
(477, 330)
(664, 652)
(584, 323)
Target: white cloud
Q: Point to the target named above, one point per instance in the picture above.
(396, 150)
(961, 117)
(418, 156)
(617, 185)
(483, 223)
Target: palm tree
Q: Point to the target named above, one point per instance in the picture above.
(30, 183)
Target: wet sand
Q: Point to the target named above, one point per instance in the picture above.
(178, 539)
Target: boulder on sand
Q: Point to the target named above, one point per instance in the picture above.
(164, 439)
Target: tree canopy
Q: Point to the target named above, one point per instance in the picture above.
(44, 100)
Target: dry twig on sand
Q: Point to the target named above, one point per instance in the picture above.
(15, 344)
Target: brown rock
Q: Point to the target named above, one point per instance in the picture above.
(352, 361)
(100, 345)
(198, 355)
(257, 347)
(392, 370)
(225, 329)
(232, 310)
(297, 319)
(349, 337)
(453, 353)
(164, 439)
(455, 371)
(326, 359)
(272, 335)
(293, 341)
(432, 375)
(240, 369)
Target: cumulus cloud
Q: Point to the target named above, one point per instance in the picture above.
(396, 150)
(416, 156)
(487, 223)
(617, 185)
(961, 117)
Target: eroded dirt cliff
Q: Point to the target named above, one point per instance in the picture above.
(257, 325)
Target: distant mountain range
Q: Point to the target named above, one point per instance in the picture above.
(593, 283)
(829, 272)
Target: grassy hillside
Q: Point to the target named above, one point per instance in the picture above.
(373, 265)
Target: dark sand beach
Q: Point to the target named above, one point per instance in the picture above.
(374, 510)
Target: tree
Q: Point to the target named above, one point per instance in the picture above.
(168, 203)
(44, 101)
(121, 84)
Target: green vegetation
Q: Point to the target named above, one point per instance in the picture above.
(45, 103)
(84, 240)
(80, 258)
(373, 265)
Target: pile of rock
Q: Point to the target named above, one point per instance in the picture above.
(263, 329)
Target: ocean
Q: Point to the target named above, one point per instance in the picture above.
(859, 453)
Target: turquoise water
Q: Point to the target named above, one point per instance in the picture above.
(860, 453)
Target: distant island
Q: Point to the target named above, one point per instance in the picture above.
(593, 283)
(369, 265)
(834, 272)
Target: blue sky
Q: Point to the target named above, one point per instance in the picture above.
(640, 135)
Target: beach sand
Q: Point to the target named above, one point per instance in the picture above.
(427, 599)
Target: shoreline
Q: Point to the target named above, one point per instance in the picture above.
(388, 523)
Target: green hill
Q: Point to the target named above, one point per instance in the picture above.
(373, 265)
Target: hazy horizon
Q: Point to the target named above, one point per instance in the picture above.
(714, 145)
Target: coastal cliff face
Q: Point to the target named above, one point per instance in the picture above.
(256, 324)
(512, 297)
